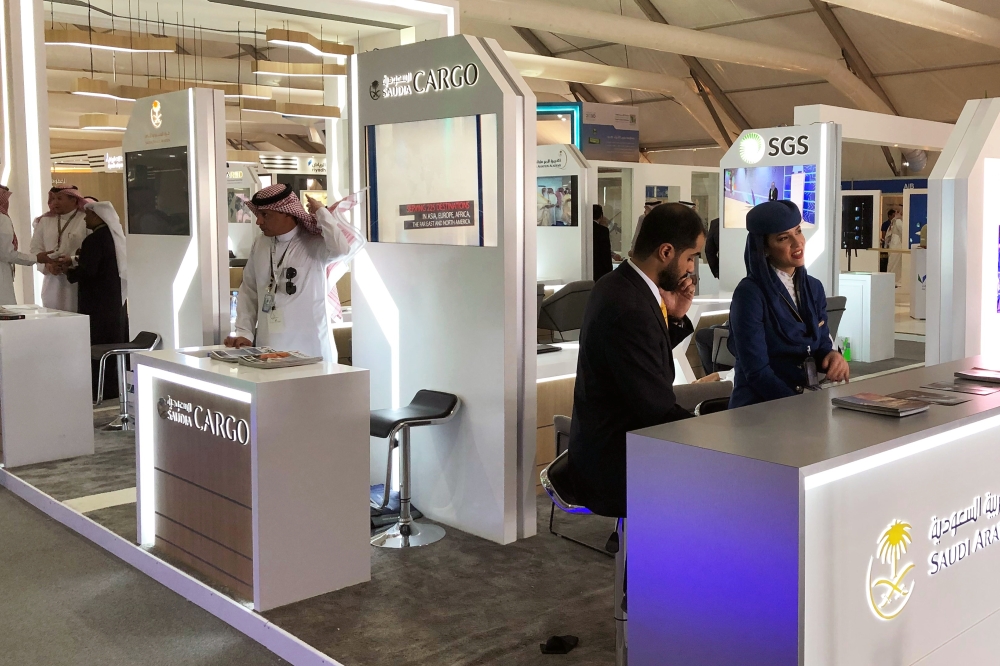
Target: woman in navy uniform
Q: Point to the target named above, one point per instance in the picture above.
(778, 314)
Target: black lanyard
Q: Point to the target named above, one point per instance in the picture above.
(62, 228)
(280, 261)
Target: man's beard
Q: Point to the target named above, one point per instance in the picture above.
(670, 277)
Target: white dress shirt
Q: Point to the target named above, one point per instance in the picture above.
(789, 282)
(299, 321)
(8, 257)
(57, 292)
(650, 283)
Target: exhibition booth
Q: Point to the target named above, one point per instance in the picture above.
(244, 489)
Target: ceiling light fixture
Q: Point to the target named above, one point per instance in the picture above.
(258, 105)
(242, 156)
(247, 91)
(97, 122)
(87, 87)
(307, 42)
(317, 111)
(105, 41)
(297, 69)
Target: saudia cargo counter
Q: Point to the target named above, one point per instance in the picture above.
(257, 479)
(796, 532)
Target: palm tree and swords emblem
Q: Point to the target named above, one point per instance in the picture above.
(888, 595)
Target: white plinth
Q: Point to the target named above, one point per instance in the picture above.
(869, 321)
(46, 411)
(303, 516)
(918, 283)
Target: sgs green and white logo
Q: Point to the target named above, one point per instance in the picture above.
(752, 148)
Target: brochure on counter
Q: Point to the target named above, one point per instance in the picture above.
(873, 403)
(930, 398)
(963, 387)
(278, 359)
(234, 355)
(9, 315)
(980, 375)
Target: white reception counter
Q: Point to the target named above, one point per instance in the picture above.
(258, 479)
(793, 532)
(46, 411)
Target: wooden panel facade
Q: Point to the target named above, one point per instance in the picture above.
(202, 483)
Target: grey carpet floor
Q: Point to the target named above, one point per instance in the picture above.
(64, 601)
(907, 352)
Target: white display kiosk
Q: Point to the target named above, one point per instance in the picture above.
(869, 320)
(565, 251)
(175, 194)
(801, 163)
(963, 221)
(443, 296)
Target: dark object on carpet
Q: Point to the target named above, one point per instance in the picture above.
(390, 514)
(559, 644)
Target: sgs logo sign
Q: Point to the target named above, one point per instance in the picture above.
(789, 145)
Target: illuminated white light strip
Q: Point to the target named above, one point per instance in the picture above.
(5, 173)
(101, 47)
(898, 453)
(816, 245)
(117, 98)
(421, 6)
(32, 139)
(340, 57)
(356, 216)
(199, 384)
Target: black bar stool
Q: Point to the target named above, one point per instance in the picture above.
(426, 408)
(145, 341)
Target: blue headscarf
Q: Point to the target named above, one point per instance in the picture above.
(775, 217)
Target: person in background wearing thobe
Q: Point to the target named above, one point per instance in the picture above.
(9, 256)
(894, 241)
(283, 299)
(100, 274)
(59, 233)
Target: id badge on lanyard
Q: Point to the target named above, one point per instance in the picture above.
(268, 303)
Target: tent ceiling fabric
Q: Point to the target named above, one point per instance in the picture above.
(926, 74)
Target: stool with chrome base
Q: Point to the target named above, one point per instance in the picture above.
(559, 487)
(145, 341)
(426, 408)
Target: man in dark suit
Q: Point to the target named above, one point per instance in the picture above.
(625, 372)
(602, 244)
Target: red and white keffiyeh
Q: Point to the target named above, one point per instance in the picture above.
(64, 189)
(4, 200)
(281, 198)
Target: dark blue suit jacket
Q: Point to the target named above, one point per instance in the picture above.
(767, 366)
(624, 381)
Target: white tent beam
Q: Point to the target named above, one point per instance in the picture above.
(602, 26)
(561, 69)
(935, 15)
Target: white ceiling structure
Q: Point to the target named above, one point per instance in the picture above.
(924, 71)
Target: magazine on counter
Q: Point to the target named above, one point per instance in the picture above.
(963, 387)
(278, 359)
(930, 398)
(873, 403)
(9, 315)
(980, 375)
(234, 355)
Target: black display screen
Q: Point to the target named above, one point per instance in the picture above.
(156, 196)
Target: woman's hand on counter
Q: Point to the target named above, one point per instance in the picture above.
(237, 342)
(836, 367)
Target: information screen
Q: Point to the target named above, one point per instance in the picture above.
(556, 197)
(157, 192)
(434, 182)
(749, 186)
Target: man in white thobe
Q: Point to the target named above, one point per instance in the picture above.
(9, 254)
(282, 302)
(59, 233)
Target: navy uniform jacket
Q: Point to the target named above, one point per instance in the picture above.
(624, 381)
(767, 366)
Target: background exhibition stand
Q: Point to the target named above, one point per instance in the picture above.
(256, 478)
(45, 404)
(869, 319)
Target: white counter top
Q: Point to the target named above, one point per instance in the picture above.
(32, 312)
(233, 374)
(558, 364)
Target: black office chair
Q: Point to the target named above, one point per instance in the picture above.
(563, 310)
(835, 307)
(426, 408)
(144, 341)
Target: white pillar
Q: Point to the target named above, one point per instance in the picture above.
(26, 113)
